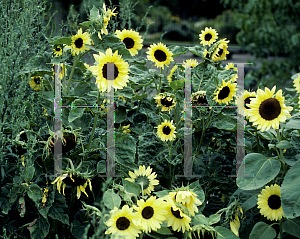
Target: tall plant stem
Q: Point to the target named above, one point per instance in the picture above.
(204, 129)
(158, 90)
(281, 231)
(95, 124)
(170, 165)
(72, 72)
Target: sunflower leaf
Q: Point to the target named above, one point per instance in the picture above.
(263, 169)
(292, 227)
(224, 233)
(290, 192)
(284, 144)
(262, 230)
(111, 199)
(60, 40)
(178, 50)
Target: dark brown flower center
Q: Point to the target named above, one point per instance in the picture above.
(274, 202)
(104, 71)
(165, 102)
(202, 99)
(77, 181)
(207, 37)
(57, 48)
(37, 80)
(160, 55)
(166, 130)
(224, 93)
(78, 43)
(247, 101)
(220, 52)
(147, 212)
(122, 223)
(176, 213)
(129, 43)
(269, 109)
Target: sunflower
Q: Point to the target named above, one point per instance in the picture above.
(231, 66)
(205, 53)
(36, 83)
(199, 98)
(166, 101)
(73, 180)
(224, 94)
(267, 111)
(208, 36)
(145, 178)
(79, 42)
(269, 202)
(160, 54)
(191, 62)
(297, 84)
(169, 77)
(106, 18)
(121, 70)
(131, 39)
(57, 50)
(121, 225)
(187, 198)
(175, 217)
(150, 213)
(243, 100)
(126, 129)
(166, 131)
(220, 51)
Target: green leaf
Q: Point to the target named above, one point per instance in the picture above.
(200, 218)
(111, 199)
(177, 84)
(262, 168)
(40, 229)
(76, 113)
(195, 186)
(164, 231)
(60, 40)
(226, 123)
(214, 219)
(291, 227)
(178, 50)
(22, 207)
(35, 193)
(86, 23)
(293, 124)
(125, 147)
(284, 144)
(250, 203)
(131, 187)
(101, 167)
(78, 229)
(224, 233)
(197, 50)
(94, 13)
(120, 114)
(262, 230)
(266, 135)
(290, 192)
(28, 173)
(58, 208)
(175, 160)
(82, 89)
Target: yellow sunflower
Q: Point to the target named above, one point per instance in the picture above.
(79, 42)
(166, 131)
(169, 77)
(126, 129)
(121, 70)
(205, 53)
(121, 224)
(269, 202)
(145, 178)
(150, 213)
(175, 217)
(188, 199)
(106, 18)
(36, 83)
(243, 100)
(160, 54)
(166, 101)
(267, 111)
(57, 50)
(72, 180)
(231, 66)
(208, 36)
(221, 50)
(131, 39)
(297, 84)
(224, 94)
(191, 62)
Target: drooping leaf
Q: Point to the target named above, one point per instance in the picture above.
(262, 230)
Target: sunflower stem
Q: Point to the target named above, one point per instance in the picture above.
(281, 231)
(204, 129)
(158, 90)
(170, 165)
(72, 72)
(95, 124)
(257, 141)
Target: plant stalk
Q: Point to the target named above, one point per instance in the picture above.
(72, 72)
